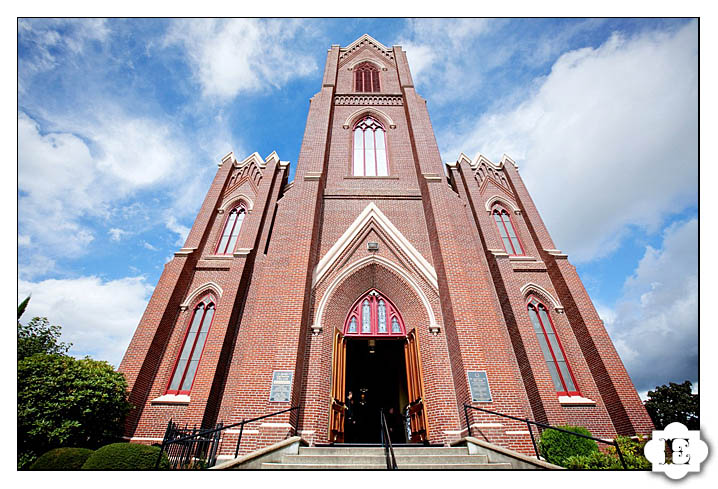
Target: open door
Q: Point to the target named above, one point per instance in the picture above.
(338, 409)
(415, 385)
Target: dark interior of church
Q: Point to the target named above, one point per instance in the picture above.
(376, 378)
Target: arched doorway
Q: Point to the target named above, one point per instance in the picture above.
(376, 365)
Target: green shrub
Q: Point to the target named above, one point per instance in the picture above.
(66, 402)
(125, 456)
(632, 451)
(556, 446)
(67, 458)
(594, 460)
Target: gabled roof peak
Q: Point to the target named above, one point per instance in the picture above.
(365, 40)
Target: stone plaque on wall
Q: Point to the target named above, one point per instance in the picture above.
(479, 385)
(281, 386)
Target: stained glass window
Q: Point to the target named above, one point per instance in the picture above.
(382, 316)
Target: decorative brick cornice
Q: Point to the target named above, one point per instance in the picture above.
(368, 99)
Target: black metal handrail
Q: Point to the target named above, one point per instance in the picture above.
(188, 447)
(386, 442)
(529, 422)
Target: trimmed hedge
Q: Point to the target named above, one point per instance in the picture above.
(67, 458)
(556, 446)
(126, 456)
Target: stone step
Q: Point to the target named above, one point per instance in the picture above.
(380, 450)
(330, 459)
(475, 466)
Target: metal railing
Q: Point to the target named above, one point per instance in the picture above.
(189, 448)
(529, 422)
(386, 442)
(197, 448)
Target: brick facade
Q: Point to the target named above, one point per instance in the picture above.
(301, 261)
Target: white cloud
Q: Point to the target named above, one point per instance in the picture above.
(148, 246)
(116, 233)
(654, 326)
(98, 317)
(175, 227)
(52, 38)
(62, 180)
(614, 128)
(439, 54)
(230, 56)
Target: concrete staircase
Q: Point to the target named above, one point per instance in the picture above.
(468, 453)
(373, 458)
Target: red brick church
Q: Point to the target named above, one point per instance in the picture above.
(417, 286)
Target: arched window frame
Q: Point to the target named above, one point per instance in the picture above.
(205, 304)
(356, 312)
(359, 169)
(535, 303)
(501, 226)
(236, 224)
(366, 78)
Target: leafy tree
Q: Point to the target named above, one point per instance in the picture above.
(673, 402)
(63, 401)
(39, 336)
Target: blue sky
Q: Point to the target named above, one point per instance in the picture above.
(121, 124)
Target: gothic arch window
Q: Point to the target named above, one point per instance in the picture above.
(506, 228)
(186, 366)
(553, 352)
(370, 148)
(366, 77)
(374, 315)
(230, 231)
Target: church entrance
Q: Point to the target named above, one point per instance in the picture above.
(375, 379)
(376, 366)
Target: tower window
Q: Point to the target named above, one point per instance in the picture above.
(188, 361)
(370, 149)
(552, 351)
(230, 233)
(366, 78)
(507, 232)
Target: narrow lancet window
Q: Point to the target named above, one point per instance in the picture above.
(507, 232)
(366, 317)
(551, 348)
(188, 361)
(230, 233)
(382, 316)
(370, 149)
(366, 78)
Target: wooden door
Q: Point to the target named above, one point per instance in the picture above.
(338, 409)
(415, 385)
